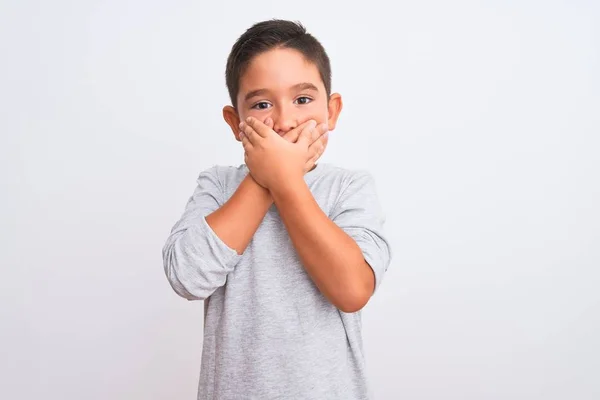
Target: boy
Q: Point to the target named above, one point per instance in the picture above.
(284, 252)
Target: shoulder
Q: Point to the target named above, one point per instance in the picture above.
(226, 178)
(356, 199)
(347, 179)
(223, 173)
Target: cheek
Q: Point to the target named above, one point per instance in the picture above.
(260, 115)
(319, 113)
(252, 113)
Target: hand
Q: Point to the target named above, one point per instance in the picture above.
(318, 142)
(273, 160)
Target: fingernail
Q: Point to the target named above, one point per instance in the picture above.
(248, 119)
(241, 125)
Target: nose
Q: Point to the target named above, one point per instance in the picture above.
(284, 120)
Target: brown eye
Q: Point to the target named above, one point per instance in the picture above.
(263, 105)
(303, 100)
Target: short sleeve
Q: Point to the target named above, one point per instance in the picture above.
(358, 213)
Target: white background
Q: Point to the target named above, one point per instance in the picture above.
(479, 120)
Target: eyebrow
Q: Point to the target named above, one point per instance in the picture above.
(305, 86)
(297, 87)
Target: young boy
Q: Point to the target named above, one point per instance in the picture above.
(284, 252)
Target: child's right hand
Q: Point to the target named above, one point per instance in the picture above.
(319, 139)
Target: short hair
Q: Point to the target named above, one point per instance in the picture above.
(267, 35)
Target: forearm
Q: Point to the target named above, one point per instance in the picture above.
(332, 258)
(238, 219)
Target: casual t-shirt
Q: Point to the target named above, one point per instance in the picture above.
(269, 333)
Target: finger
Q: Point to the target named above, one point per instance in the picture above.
(311, 163)
(320, 131)
(292, 135)
(315, 157)
(245, 142)
(269, 122)
(259, 127)
(306, 134)
(249, 132)
(317, 149)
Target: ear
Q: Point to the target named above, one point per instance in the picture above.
(334, 108)
(230, 115)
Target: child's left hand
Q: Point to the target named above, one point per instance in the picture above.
(272, 160)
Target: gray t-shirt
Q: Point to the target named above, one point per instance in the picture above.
(269, 333)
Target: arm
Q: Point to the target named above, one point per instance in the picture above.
(237, 221)
(205, 244)
(345, 256)
(239, 218)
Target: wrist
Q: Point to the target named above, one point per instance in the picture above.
(259, 192)
(287, 187)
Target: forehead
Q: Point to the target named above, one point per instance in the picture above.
(279, 69)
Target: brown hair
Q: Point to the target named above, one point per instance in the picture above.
(267, 35)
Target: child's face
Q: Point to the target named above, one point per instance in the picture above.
(282, 85)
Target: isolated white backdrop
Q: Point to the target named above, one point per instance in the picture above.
(479, 120)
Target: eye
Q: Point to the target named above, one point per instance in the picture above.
(261, 105)
(303, 100)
